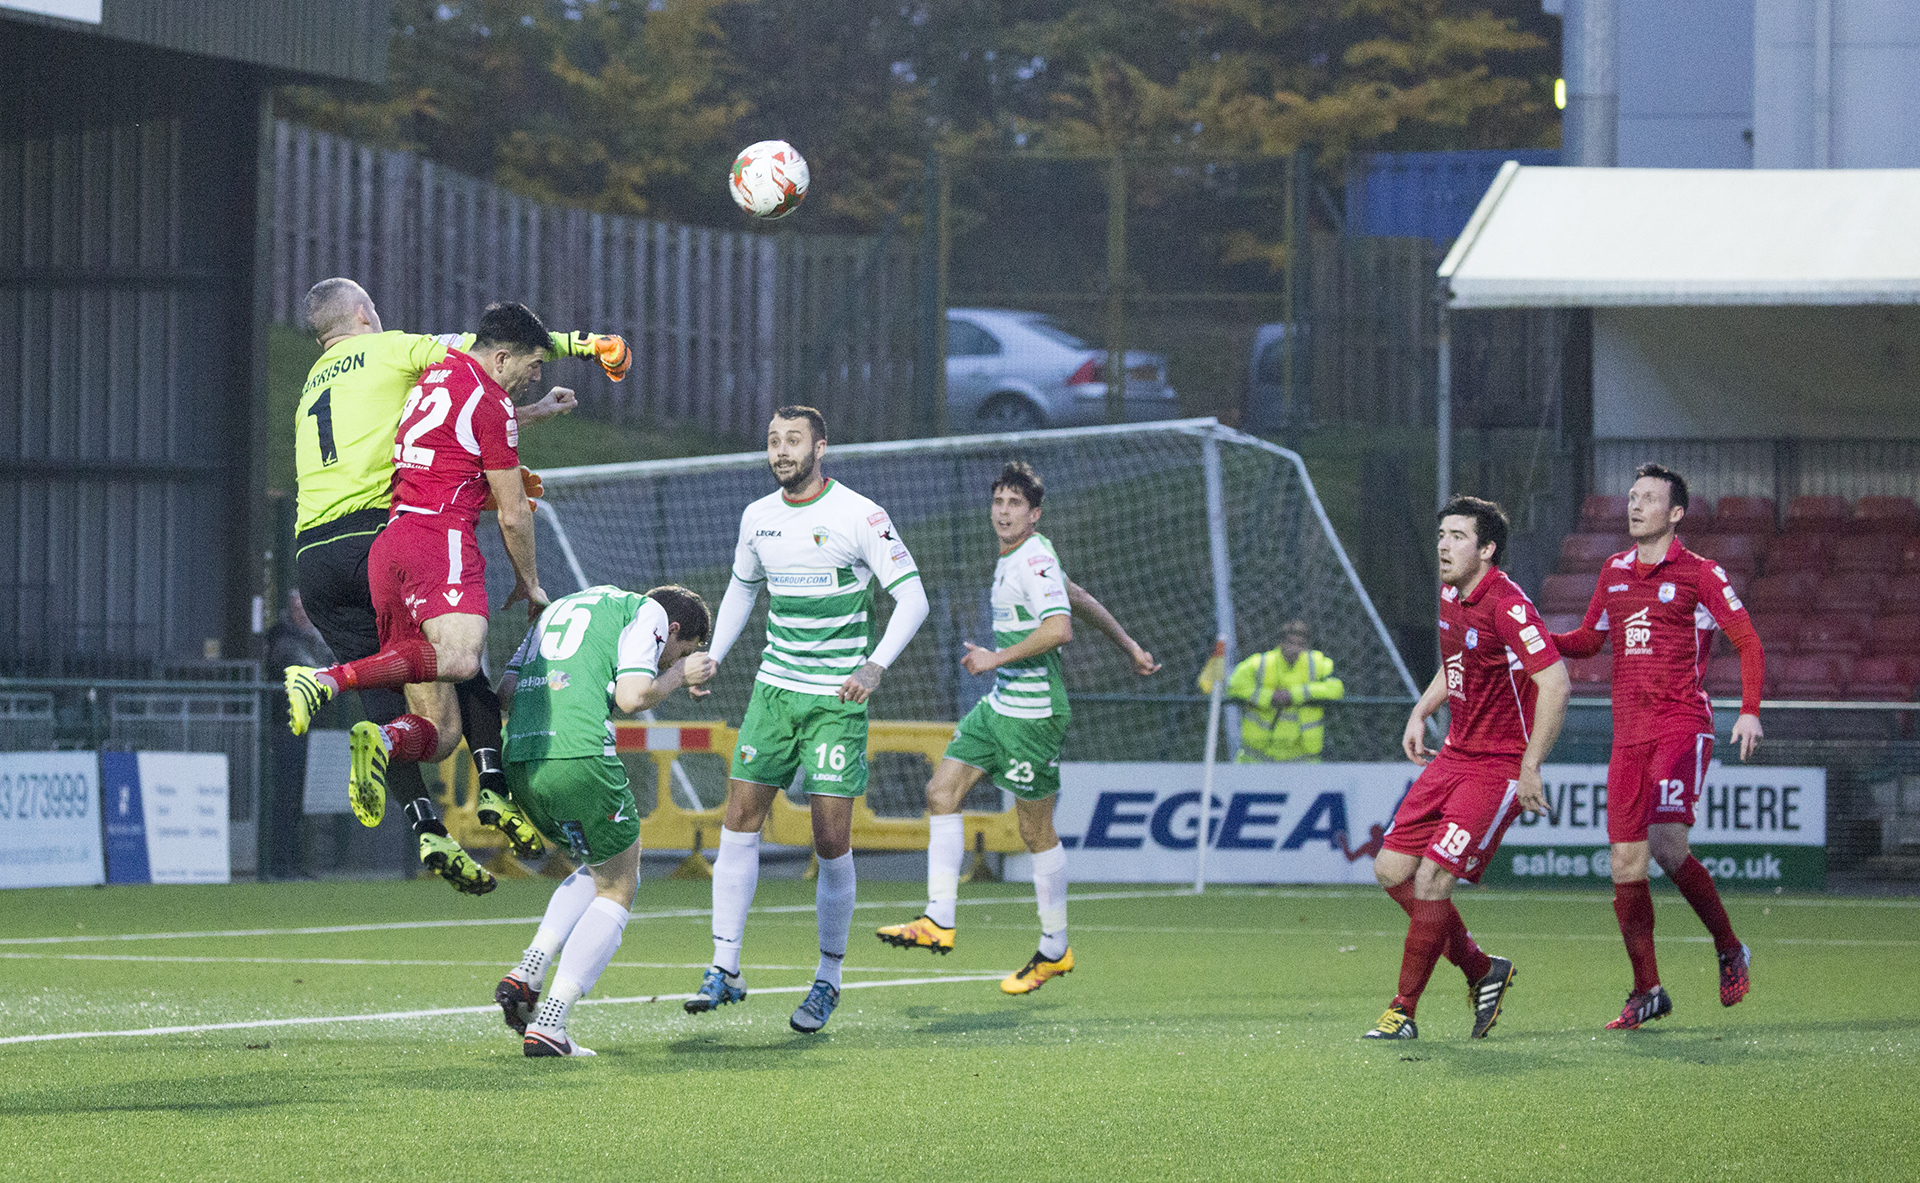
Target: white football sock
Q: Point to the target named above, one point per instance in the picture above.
(946, 848)
(833, 914)
(568, 903)
(736, 872)
(1050, 885)
(590, 947)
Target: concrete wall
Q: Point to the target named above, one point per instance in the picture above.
(1834, 81)
(1686, 84)
(1756, 373)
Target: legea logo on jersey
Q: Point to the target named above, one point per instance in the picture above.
(800, 581)
(1639, 633)
(1457, 675)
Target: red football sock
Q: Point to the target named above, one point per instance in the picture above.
(1461, 949)
(1633, 904)
(1427, 933)
(397, 665)
(410, 739)
(1696, 884)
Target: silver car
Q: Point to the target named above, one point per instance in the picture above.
(1015, 371)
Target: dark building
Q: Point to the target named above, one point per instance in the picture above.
(135, 177)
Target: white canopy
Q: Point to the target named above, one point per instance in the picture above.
(1545, 237)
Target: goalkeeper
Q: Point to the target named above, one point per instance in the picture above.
(344, 430)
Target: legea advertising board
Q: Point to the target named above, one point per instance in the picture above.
(1321, 823)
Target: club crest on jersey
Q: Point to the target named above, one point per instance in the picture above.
(819, 535)
(1473, 638)
(1666, 593)
(747, 753)
(1518, 612)
(1639, 633)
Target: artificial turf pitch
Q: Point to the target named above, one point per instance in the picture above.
(1199, 1037)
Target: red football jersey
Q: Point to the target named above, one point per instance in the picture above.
(1491, 645)
(1661, 625)
(456, 424)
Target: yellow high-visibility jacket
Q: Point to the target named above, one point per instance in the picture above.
(1281, 723)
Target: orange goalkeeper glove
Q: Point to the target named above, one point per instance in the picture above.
(529, 483)
(611, 352)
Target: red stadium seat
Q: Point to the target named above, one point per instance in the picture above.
(1562, 622)
(1886, 515)
(1822, 514)
(1738, 553)
(1792, 591)
(1895, 636)
(1883, 679)
(1821, 678)
(1779, 633)
(1603, 513)
(1910, 555)
(1798, 552)
(1877, 553)
(1699, 517)
(1903, 594)
(1851, 591)
(1842, 634)
(1567, 593)
(1591, 675)
(1723, 677)
(1585, 552)
(1744, 515)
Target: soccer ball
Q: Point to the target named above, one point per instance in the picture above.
(769, 179)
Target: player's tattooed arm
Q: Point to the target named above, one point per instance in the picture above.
(861, 684)
(1090, 609)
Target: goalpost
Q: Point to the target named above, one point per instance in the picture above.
(1187, 530)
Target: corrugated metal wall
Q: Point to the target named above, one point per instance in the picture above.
(126, 289)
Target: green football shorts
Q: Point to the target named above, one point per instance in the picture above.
(786, 731)
(1022, 756)
(582, 805)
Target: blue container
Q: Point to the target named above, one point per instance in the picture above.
(1425, 194)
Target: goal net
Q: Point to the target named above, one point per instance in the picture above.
(1127, 508)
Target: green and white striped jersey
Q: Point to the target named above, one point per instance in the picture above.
(1028, 587)
(562, 704)
(819, 559)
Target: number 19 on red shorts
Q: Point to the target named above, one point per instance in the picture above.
(1456, 814)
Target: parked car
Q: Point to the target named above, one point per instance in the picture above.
(1015, 371)
(1268, 407)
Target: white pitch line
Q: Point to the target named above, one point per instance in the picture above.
(437, 1012)
(668, 914)
(497, 963)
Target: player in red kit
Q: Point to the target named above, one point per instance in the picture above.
(457, 443)
(1506, 689)
(1660, 603)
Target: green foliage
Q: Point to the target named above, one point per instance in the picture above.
(1211, 1037)
(636, 107)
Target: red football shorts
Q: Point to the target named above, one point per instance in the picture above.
(1456, 813)
(1657, 781)
(419, 568)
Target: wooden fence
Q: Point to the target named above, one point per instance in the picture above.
(725, 325)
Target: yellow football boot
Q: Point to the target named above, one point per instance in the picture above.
(1034, 973)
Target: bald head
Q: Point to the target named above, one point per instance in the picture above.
(340, 308)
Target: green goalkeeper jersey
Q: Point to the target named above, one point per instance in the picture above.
(349, 410)
(566, 667)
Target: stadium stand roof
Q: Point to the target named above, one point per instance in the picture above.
(1630, 237)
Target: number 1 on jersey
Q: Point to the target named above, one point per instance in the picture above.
(322, 413)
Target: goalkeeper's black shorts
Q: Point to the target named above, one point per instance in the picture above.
(330, 565)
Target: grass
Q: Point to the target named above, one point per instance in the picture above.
(1209, 1037)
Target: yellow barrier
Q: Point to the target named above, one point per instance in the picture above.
(672, 826)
